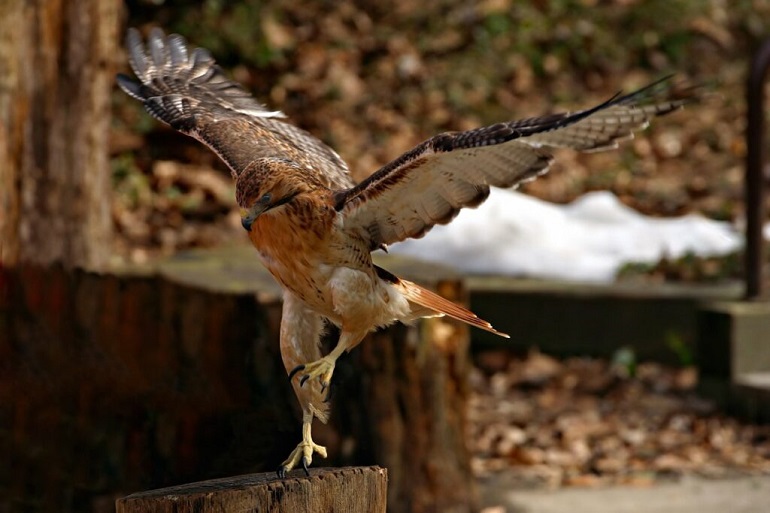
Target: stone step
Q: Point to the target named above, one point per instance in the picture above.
(752, 395)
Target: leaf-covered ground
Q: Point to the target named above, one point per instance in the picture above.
(372, 79)
(586, 422)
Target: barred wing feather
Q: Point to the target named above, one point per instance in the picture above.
(431, 183)
(187, 90)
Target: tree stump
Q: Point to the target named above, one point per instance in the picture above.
(335, 490)
(172, 374)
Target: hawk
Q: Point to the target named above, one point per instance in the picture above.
(315, 229)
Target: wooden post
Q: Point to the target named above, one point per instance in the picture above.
(332, 490)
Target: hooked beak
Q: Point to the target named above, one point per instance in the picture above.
(247, 218)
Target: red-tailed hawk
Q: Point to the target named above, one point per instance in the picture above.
(314, 229)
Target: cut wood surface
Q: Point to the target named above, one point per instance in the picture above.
(331, 490)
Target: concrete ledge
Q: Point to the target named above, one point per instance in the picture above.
(751, 396)
(587, 319)
(734, 338)
(734, 357)
(745, 397)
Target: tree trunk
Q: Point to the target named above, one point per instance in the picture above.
(339, 490)
(414, 393)
(56, 58)
(175, 376)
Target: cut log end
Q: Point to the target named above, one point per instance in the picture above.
(326, 489)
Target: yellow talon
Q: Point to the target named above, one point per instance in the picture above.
(303, 453)
(322, 369)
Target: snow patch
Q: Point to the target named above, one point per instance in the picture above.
(587, 240)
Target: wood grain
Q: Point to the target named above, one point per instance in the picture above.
(332, 490)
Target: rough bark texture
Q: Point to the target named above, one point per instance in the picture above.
(112, 383)
(413, 402)
(338, 490)
(56, 58)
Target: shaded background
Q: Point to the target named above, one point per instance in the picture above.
(373, 79)
(120, 389)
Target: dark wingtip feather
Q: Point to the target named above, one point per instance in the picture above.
(130, 87)
(668, 92)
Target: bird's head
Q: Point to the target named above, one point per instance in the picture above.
(266, 185)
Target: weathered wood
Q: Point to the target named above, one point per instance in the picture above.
(411, 403)
(57, 61)
(328, 490)
(172, 374)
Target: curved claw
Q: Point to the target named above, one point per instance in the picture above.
(295, 370)
(321, 369)
(302, 454)
(328, 396)
(281, 472)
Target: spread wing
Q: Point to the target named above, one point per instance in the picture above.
(431, 183)
(187, 90)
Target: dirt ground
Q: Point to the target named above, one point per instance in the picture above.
(591, 423)
(584, 434)
(690, 495)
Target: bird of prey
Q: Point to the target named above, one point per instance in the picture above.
(315, 229)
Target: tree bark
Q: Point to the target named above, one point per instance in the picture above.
(341, 490)
(57, 61)
(175, 376)
(414, 393)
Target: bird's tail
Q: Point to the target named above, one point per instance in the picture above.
(435, 303)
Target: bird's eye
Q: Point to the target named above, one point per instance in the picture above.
(265, 200)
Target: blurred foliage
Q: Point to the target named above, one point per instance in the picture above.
(585, 35)
(688, 268)
(372, 79)
(624, 360)
(684, 352)
(130, 184)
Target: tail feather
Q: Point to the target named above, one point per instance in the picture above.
(432, 301)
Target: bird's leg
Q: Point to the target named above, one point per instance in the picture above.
(303, 453)
(322, 368)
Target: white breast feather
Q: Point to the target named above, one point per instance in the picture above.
(362, 303)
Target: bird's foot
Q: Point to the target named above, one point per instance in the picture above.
(321, 369)
(303, 453)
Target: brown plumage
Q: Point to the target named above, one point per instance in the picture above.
(314, 229)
